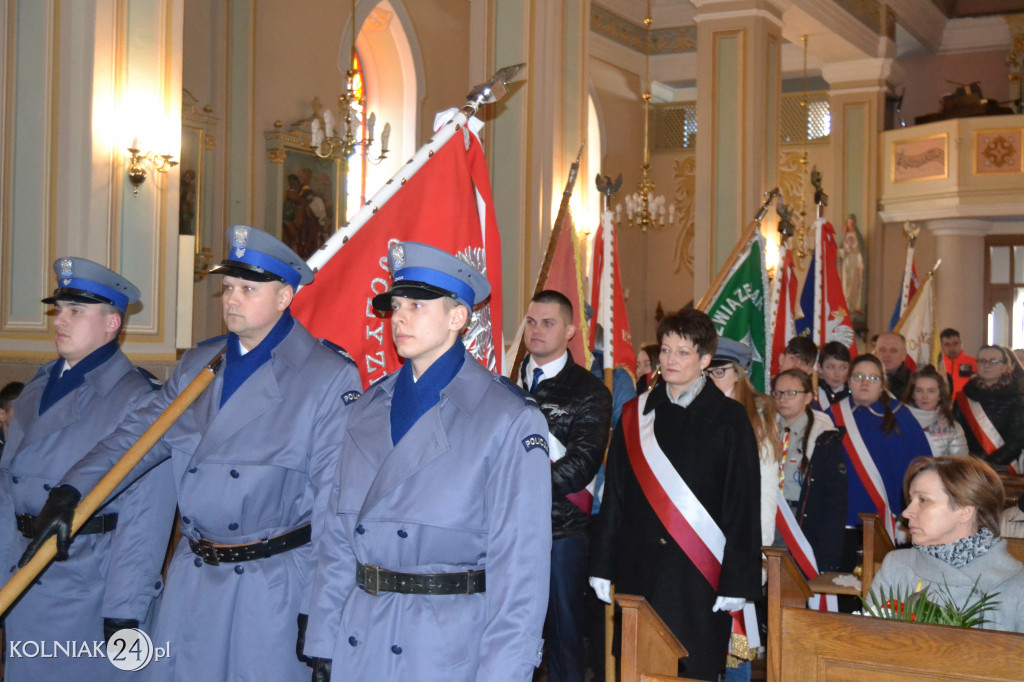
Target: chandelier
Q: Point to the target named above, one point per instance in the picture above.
(343, 141)
(644, 209)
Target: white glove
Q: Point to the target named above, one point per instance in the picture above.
(729, 604)
(602, 588)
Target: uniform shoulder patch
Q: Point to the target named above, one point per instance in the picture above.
(150, 377)
(330, 345)
(350, 397)
(534, 441)
(514, 388)
(214, 339)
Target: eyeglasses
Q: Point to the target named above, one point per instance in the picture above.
(870, 378)
(990, 361)
(786, 395)
(719, 372)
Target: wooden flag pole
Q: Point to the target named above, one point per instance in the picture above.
(745, 238)
(549, 256)
(917, 295)
(21, 580)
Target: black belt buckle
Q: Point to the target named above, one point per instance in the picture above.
(207, 551)
(371, 579)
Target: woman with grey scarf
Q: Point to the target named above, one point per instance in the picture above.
(952, 512)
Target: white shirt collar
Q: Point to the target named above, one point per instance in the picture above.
(550, 370)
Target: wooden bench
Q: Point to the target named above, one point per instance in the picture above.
(809, 645)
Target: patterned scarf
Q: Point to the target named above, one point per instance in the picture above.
(961, 552)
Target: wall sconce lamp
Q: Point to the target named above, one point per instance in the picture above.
(137, 169)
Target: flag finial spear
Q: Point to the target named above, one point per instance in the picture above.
(491, 91)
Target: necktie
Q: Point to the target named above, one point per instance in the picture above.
(537, 373)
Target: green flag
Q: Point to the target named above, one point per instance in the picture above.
(740, 308)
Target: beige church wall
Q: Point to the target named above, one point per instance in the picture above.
(928, 79)
(617, 98)
(64, 188)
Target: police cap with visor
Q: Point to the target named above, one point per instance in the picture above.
(256, 256)
(425, 272)
(83, 281)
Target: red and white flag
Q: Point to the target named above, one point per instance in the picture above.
(565, 275)
(608, 300)
(783, 307)
(446, 204)
(831, 316)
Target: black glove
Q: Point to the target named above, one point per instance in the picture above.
(55, 519)
(112, 625)
(300, 643)
(321, 670)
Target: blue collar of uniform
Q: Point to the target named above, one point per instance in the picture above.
(238, 367)
(438, 279)
(412, 399)
(59, 385)
(116, 298)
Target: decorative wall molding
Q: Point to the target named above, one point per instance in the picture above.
(624, 32)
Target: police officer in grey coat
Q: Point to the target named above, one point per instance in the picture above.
(434, 561)
(252, 461)
(112, 574)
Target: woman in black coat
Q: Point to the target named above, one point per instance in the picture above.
(706, 440)
(996, 390)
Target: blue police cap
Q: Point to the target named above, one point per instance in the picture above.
(422, 272)
(732, 351)
(259, 257)
(81, 280)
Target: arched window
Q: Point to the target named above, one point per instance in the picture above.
(355, 188)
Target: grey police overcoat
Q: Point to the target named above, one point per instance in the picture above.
(253, 469)
(114, 575)
(467, 487)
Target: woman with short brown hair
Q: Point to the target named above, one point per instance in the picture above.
(953, 507)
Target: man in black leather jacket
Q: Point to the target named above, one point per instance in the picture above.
(578, 409)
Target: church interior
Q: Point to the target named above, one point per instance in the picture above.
(909, 110)
(154, 125)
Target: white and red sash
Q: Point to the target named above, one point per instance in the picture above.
(865, 466)
(981, 426)
(677, 507)
(803, 554)
(584, 499)
(983, 429)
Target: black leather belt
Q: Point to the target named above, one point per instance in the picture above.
(215, 554)
(94, 526)
(375, 580)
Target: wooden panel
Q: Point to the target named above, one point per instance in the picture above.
(832, 646)
(648, 646)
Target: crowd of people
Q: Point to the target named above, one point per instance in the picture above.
(450, 523)
(872, 434)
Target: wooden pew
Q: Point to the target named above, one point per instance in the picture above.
(811, 645)
(650, 652)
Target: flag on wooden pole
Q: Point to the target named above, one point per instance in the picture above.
(783, 307)
(446, 204)
(829, 319)
(606, 295)
(918, 324)
(739, 309)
